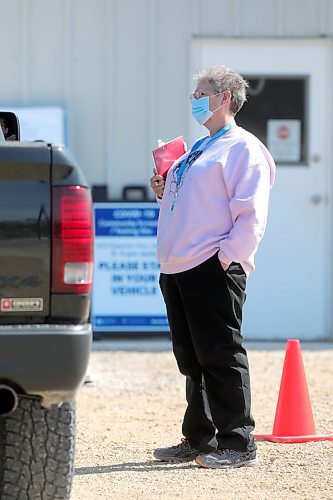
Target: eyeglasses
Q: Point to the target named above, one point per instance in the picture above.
(199, 93)
(3, 125)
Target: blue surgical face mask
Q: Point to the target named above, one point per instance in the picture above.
(200, 109)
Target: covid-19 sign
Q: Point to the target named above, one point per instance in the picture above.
(126, 294)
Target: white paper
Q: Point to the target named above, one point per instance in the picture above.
(284, 140)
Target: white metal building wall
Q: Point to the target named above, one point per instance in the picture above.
(120, 68)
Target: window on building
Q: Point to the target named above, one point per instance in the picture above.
(276, 112)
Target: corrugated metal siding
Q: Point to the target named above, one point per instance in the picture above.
(120, 68)
(86, 84)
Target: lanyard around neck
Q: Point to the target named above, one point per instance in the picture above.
(197, 145)
(218, 134)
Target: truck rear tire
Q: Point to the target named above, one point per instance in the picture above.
(37, 448)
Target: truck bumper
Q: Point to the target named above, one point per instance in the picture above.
(48, 361)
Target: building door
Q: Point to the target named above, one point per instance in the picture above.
(289, 109)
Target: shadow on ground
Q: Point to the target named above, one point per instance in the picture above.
(133, 467)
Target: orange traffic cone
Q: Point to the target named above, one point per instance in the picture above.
(293, 419)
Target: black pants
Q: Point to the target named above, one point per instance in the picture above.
(204, 308)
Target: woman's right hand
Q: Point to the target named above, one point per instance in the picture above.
(157, 184)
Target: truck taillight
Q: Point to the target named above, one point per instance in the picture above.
(72, 239)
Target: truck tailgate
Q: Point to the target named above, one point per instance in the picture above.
(25, 233)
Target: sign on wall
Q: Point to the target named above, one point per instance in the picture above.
(126, 294)
(41, 123)
(284, 140)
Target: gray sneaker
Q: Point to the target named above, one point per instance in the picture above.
(182, 452)
(227, 458)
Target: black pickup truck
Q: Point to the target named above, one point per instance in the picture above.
(46, 264)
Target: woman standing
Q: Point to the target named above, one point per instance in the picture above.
(213, 212)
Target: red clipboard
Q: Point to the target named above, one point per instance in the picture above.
(164, 156)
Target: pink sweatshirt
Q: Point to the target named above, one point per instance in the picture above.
(222, 205)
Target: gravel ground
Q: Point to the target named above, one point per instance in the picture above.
(135, 403)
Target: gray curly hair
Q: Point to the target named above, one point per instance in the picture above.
(223, 78)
